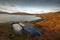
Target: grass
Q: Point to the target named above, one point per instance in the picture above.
(49, 27)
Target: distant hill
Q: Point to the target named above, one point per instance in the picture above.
(21, 13)
(43, 14)
(24, 13)
(3, 12)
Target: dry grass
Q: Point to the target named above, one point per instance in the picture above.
(49, 27)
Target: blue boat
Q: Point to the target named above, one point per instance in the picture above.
(32, 30)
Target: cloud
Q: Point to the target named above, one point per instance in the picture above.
(30, 6)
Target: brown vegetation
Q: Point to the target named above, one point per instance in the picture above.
(49, 27)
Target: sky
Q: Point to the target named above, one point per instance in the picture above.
(30, 6)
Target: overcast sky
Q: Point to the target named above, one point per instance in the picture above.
(30, 6)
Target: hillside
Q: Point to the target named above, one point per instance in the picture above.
(17, 13)
(49, 27)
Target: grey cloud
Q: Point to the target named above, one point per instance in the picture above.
(46, 4)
